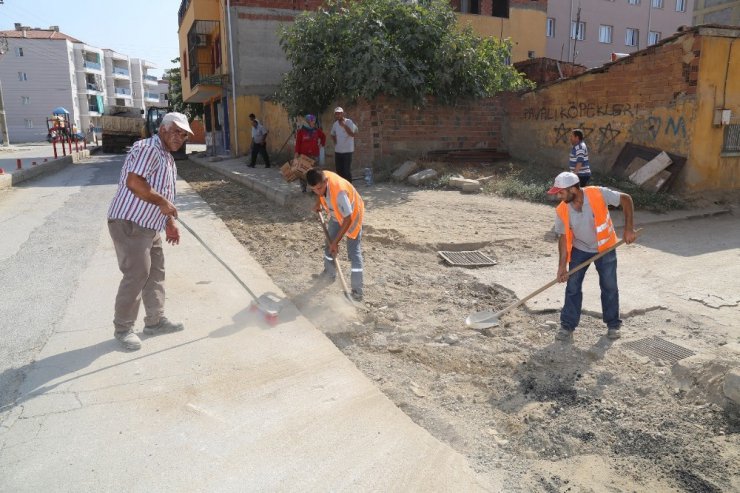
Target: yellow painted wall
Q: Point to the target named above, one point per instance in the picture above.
(525, 28)
(718, 87)
(272, 116)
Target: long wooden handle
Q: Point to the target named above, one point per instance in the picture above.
(570, 272)
(336, 262)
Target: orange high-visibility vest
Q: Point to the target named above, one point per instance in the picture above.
(605, 234)
(336, 184)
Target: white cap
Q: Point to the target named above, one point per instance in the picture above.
(178, 119)
(338, 109)
(564, 180)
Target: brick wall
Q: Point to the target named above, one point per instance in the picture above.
(647, 99)
(279, 4)
(393, 131)
(543, 70)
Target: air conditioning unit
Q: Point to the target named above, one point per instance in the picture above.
(201, 40)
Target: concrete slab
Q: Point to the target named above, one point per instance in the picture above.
(229, 404)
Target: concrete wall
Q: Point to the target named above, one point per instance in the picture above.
(726, 12)
(51, 82)
(662, 97)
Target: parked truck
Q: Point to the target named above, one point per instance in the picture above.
(123, 125)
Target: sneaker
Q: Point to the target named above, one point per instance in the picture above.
(356, 295)
(129, 340)
(163, 327)
(564, 335)
(613, 333)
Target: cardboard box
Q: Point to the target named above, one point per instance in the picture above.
(302, 164)
(287, 171)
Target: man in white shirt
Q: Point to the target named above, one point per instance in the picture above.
(259, 141)
(343, 134)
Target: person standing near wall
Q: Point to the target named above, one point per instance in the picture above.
(343, 134)
(578, 162)
(308, 142)
(259, 142)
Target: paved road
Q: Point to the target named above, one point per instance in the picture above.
(229, 404)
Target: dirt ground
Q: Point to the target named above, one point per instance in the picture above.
(591, 416)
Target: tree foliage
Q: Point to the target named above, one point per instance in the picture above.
(174, 99)
(411, 50)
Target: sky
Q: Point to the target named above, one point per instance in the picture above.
(138, 28)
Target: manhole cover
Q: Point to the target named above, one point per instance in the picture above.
(659, 349)
(467, 259)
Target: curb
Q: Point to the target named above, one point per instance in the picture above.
(9, 180)
(265, 187)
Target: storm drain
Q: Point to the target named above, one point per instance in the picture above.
(467, 259)
(659, 349)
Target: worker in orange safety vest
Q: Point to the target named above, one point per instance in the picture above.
(346, 211)
(585, 228)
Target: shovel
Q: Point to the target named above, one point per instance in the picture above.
(336, 262)
(484, 320)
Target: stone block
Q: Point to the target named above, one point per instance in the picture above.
(731, 385)
(404, 171)
(459, 181)
(422, 177)
(474, 187)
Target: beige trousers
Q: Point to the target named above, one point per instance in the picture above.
(141, 261)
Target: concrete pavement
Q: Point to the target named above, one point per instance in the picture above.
(229, 404)
(40, 153)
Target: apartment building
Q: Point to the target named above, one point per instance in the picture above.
(145, 84)
(45, 69)
(589, 32)
(725, 12)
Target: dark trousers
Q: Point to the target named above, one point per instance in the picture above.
(606, 266)
(259, 149)
(343, 164)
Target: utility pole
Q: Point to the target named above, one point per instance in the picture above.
(577, 32)
(3, 123)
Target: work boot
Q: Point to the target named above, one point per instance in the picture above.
(163, 327)
(324, 277)
(613, 333)
(564, 335)
(129, 340)
(356, 295)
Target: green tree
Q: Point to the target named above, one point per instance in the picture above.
(174, 99)
(411, 50)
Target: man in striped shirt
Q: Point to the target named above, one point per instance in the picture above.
(578, 163)
(141, 208)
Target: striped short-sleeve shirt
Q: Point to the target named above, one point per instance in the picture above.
(150, 160)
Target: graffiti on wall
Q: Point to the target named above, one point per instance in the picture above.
(562, 133)
(648, 129)
(574, 111)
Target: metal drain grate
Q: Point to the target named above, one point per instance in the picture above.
(659, 349)
(467, 259)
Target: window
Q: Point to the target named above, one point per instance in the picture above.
(657, 4)
(25, 99)
(29, 123)
(680, 5)
(469, 7)
(22, 76)
(632, 37)
(731, 141)
(605, 34)
(653, 37)
(634, 2)
(550, 27)
(500, 8)
(578, 30)
(19, 51)
(530, 54)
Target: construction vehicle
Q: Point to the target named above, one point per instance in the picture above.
(124, 125)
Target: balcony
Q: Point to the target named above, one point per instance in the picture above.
(91, 65)
(119, 71)
(151, 96)
(93, 87)
(122, 91)
(150, 79)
